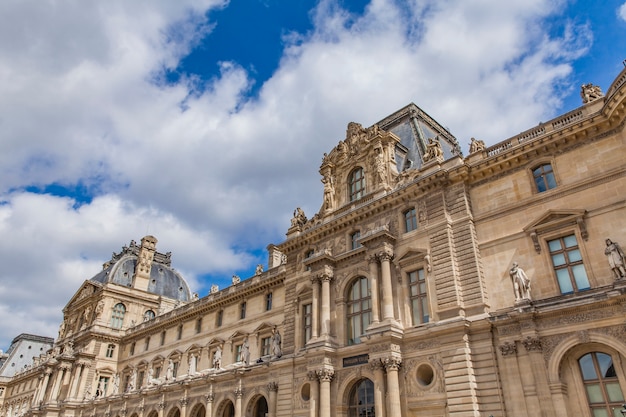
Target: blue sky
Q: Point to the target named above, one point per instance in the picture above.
(203, 122)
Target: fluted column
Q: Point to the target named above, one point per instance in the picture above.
(385, 267)
(78, 370)
(314, 394)
(325, 376)
(315, 310)
(379, 387)
(326, 278)
(57, 384)
(272, 387)
(44, 386)
(238, 398)
(373, 265)
(392, 365)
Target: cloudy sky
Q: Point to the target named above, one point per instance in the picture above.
(203, 122)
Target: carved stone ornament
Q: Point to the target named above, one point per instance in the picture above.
(238, 392)
(272, 386)
(532, 344)
(391, 364)
(590, 92)
(508, 348)
(325, 375)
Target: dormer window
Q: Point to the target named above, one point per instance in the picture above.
(356, 183)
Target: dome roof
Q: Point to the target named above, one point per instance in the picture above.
(163, 279)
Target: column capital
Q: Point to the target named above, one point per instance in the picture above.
(325, 375)
(391, 364)
(312, 375)
(239, 392)
(372, 259)
(325, 276)
(508, 348)
(209, 398)
(385, 255)
(272, 386)
(376, 365)
(532, 344)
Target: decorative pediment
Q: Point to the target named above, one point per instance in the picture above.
(554, 220)
(88, 289)
(412, 255)
(237, 335)
(264, 327)
(215, 341)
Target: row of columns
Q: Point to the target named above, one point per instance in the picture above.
(239, 392)
(386, 403)
(320, 321)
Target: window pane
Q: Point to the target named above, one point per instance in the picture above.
(554, 245)
(614, 392)
(574, 255)
(600, 412)
(565, 284)
(541, 186)
(581, 277)
(558, 259)
(570, 241)
(604, 363)
(551, 181)
(587, 368)
(594, 393)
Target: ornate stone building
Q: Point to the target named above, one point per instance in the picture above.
(428, 284)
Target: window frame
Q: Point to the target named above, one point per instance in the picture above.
(421, 298)
(567, 266)
(356, 184)
(363, 315)
(545, 176)
(410, 219)
(110, 352)
(242, 310)
(307, 322)
(269, 300)
(600, 382)
(354, 240)
(117, 315)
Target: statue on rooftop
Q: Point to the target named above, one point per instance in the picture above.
(590, 92)
(433, 150)
(476, 145)
(299, 218)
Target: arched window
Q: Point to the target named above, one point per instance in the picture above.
(544, 178)
(359, 310)
(260, 408)
(604, 393)
(361, 401)
(148, 315)
(117, 316)
(356, 182)
(228, 410)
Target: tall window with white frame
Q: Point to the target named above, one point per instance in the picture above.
(110, 350)
(268, 301)
(604, 393)
(266, 346)
(359, 310)
(307, 322)
(544, 178)
(117, 316)
(356, 182)
(419, 297)
(242, 310)
(410, 220)
(567, 262)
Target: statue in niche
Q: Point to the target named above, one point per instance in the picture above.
(433, 150)
(169, 374)
(193, 360)
(590, 92)
(329, 192)
(616, 258)
(116, 384)
(276, 343)
(132, 383)
(379, 165)
(245, 352)
(476, 145)
(299, 218)
(217, 358)
(521, 282)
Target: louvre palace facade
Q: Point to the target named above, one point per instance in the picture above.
(429, 283)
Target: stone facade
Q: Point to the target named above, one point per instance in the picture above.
(428, 284)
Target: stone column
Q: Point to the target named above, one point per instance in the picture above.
(373, 265)
(379, 387)
(315, 311)
(272, 387)
(78, 371)
(325, 376)
(392, 365)
(385, 266)
(183, 405)
(44, 386)
(238, 397)
(57, 384)
(537, 365)
(210, 397)
(314, 394)
(326, 278)
(161, 406)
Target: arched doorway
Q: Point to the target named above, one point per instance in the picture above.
(260, 408)
(361, 399)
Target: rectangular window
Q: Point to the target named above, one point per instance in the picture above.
(266, 346)
(180, 332)
(219, 318)
(141, 376)
(162, 337)
(238, 357)
(175, 370)
(354, 240)
(110, 351)
(307, 321)
(410, 220)
(268, 301)
(132, 349)
(157, 371)
(199, 325)
(419, 297)
(568, 265)
(544, 178)
(242, 310)
(147, 343)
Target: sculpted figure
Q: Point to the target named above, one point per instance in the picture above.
(433, 150)
(116, 384)
(245, 352)
(214, 288)
(299, 218)
(236, 279)
(381, 169)
(476, 145)
(217, 358)
(590, 92)
(193, 360)
(616, 258)
(276, 344)
(169, 375)
(259, 269)
(521, 282)
(329, 192)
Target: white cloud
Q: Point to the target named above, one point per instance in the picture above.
(80, 104)
(622, 11)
